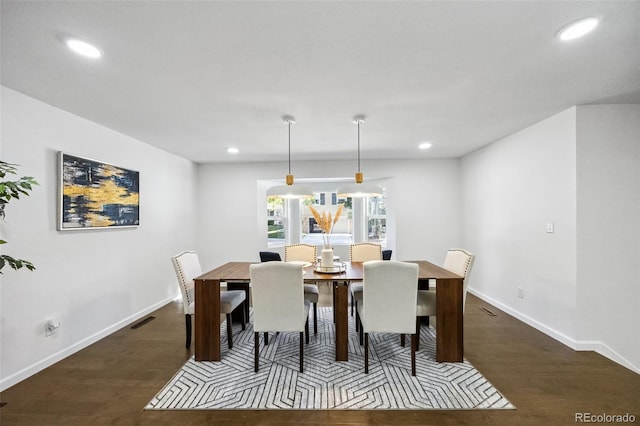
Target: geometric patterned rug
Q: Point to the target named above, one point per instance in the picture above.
(325, 383)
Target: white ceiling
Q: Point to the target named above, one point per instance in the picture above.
(195, 77)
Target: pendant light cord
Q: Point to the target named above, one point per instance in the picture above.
(289, 122)
(358, 145)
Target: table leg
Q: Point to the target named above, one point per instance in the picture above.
(449, 321)
(342, 327)
(207, 320)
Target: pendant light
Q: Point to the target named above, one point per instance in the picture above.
(290, 191)
(359, 188)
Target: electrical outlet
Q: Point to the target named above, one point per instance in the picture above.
(520, 292)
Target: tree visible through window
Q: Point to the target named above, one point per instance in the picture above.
(275, 221)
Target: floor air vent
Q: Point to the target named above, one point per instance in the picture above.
(143, 322)
(488, 312)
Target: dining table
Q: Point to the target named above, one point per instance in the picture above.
(449, 306)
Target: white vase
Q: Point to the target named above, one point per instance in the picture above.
(326, 259)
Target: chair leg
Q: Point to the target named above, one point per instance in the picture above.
(402, 340)
(315, 318)
(414, 345)
(244, 316)
(357, 320)
(266, 338)
(302, 350)
(256, 349)
(366, 353)
(418, 323)
(361, 331)
(352, 303)
(306, 331)
(187, 319)
(229, 333)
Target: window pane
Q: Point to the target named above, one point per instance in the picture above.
(378, 230)
(275, 221)
(342, 231)
(377, 220)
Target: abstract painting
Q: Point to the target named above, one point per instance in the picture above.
(94, 194)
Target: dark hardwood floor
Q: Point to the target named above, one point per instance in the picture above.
(112, 380)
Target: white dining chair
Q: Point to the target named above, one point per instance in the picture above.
(306, 253)
(361, 252)
(187, 267)
(279, 304)
(389, 296)
(458, 261)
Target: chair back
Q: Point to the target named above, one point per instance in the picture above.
(278, 297)
(389, 294)
(363, 252)
(270, 256)
(187, 267)
(300, 252)
(386, 254)
(460, 262)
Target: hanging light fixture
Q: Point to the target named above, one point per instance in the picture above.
(290, 191)
(359, 188)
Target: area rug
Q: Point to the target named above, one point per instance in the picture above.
(325, 383)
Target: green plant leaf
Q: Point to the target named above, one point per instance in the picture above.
(8, 191)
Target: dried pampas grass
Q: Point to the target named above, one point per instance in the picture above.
(326, 222)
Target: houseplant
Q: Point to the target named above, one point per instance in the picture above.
(9, 190)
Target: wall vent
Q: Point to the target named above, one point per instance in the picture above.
(143, 322)
(486, 311)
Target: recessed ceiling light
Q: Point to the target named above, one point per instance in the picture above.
(425, 145)
(577, 29)
(232, 150)
(83, 48)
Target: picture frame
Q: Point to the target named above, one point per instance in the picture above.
(96, 195)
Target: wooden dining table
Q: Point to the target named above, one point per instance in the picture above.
(449, 306)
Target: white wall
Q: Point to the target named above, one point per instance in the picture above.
(581, 170)
(93, 282)
(511, 189)
(423, 198)
(608, 158)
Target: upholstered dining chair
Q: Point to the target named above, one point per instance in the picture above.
(187, 267)
(305, 253)
(458, 261)
(388, 308)
(361, 252)
(269, 256)
(278, 303)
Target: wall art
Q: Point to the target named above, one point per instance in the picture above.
(93, 194)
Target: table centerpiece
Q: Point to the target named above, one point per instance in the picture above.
(326, 222)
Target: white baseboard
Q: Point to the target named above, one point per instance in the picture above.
(576, 345)
(29, 371)
(606, 351)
